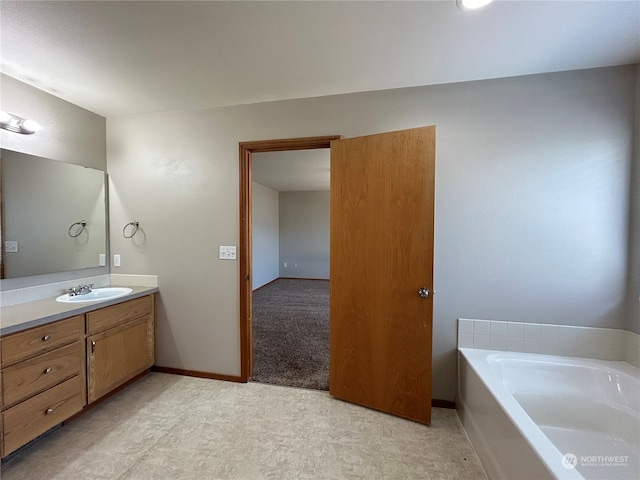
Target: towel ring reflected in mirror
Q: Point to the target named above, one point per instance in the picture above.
(79, 228)
(132, 231)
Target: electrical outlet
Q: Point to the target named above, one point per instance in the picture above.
(102, 259)
(116, 260)
(10, 246)
(227, 252)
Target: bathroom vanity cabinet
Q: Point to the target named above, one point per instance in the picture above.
(42, 379)
(120, 345)
(51, 372)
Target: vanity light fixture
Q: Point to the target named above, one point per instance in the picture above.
(17, 124)
(466, 5)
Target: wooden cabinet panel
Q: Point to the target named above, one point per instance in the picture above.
(33, 417)
(31, 376)
(109, 317)
(118, 354)
(49, 372)
(22, 345)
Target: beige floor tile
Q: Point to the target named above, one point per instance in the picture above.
(172, 427)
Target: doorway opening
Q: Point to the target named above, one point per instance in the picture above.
(290, 268)
(247, 150)
(381, 241)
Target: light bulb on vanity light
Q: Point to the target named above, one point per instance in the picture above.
(4, 117)
(466, 5)
(31, 126)
(17, 124)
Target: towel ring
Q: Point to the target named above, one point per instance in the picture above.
(134, 230)
(80, 228)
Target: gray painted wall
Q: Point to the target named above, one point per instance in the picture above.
(69, 134)
(633, 317)
(266, 245)
(532, 193)
(304, 234)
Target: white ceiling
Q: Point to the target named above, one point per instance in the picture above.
(117, 58)
(293, 171)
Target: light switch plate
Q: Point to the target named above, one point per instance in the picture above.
(116, 260)
(11, 246)
(227, 252)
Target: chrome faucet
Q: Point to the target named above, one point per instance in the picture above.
(80, 290)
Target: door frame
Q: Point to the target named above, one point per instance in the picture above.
(247, 149)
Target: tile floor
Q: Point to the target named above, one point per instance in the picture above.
(173, 427)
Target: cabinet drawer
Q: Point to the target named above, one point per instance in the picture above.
(109, 317)
(31, 376)
(22, 345)
(33, 417)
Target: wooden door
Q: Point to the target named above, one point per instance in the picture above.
(382, 211)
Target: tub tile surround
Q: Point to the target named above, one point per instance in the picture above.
(588, 342)
(39, 292)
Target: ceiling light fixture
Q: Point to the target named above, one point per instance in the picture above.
(17, 124)
(466, 5)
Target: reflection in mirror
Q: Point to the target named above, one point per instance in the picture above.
(44, 203)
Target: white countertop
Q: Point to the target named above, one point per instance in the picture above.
(15, 318)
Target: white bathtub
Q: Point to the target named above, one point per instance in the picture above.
(533, 416)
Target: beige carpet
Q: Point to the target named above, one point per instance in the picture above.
(168, 427)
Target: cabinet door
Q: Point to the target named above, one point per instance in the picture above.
(119, 354)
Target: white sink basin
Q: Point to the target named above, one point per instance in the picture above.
(94, 295)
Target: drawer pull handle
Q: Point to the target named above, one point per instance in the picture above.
(93, 346)
(48, 411)
(48, 370)
(46, 338)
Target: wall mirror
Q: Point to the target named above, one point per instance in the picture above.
(53, 216)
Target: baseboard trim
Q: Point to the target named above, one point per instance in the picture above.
(288, 278)
(195, 373)
(265, 285)
(443, 403)
(302, 278)
(435, 402)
